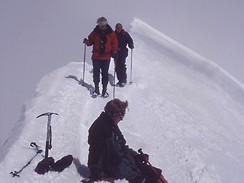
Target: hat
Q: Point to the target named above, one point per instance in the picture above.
(102, 21)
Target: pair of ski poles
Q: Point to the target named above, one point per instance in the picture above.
(84, 63)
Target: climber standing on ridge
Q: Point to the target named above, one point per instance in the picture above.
(105, 45)
(124, 39)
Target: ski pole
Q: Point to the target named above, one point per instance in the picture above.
(114, 79)
(160, 177)
(49, 132)
(32, 144)
(131, 66)
(84, 65)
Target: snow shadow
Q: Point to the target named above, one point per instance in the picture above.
(83, 170)
(111, 79)
(89, 87)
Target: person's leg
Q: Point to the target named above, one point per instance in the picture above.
(123, 75)
(96, 74)
(121, 67)
(105, 68)
(118, 69)
(125, 171)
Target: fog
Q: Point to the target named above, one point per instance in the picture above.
(39, 36)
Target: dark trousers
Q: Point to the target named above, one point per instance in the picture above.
(120, 66)
(100, 66)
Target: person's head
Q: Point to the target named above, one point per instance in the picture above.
(102, 23)
(116, 109)
(118, 27)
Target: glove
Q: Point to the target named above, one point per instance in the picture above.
(44, 165)
(85, 41)
(131, 46)
(114, 55)
(140, 158)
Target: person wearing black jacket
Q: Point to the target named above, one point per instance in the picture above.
(109, 156)
(124, 39)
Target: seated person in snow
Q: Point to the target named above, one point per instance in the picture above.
(110, 157)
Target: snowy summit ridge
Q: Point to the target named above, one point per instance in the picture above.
(183, 112)
(174, 49)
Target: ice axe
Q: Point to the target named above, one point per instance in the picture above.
(49, 132)
(160, 177)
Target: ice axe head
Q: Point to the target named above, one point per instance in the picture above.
(49, 114)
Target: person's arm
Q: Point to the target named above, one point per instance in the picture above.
(130, 41)
(90, 40)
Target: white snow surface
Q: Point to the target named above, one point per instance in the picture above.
(184, 111)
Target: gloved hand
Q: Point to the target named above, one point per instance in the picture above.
(85, 41)
(131, 46)
(114, 55)
(140, 158)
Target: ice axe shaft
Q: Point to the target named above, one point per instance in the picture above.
(49, 132)
(160, 177)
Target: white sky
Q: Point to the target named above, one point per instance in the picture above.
(39, 36)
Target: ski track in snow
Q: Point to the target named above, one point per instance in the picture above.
(177, 115)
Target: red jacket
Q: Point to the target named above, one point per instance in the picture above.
(110, 43)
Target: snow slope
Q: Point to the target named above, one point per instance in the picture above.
(184, 111)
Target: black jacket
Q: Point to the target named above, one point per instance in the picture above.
(124, 39)
(107, 145)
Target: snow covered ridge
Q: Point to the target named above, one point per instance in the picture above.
(191, 128)
(189, 58)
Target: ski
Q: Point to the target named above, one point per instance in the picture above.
(38, 151)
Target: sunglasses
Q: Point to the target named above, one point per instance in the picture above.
(120, 114)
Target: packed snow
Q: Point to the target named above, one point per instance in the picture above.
(184, 111)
